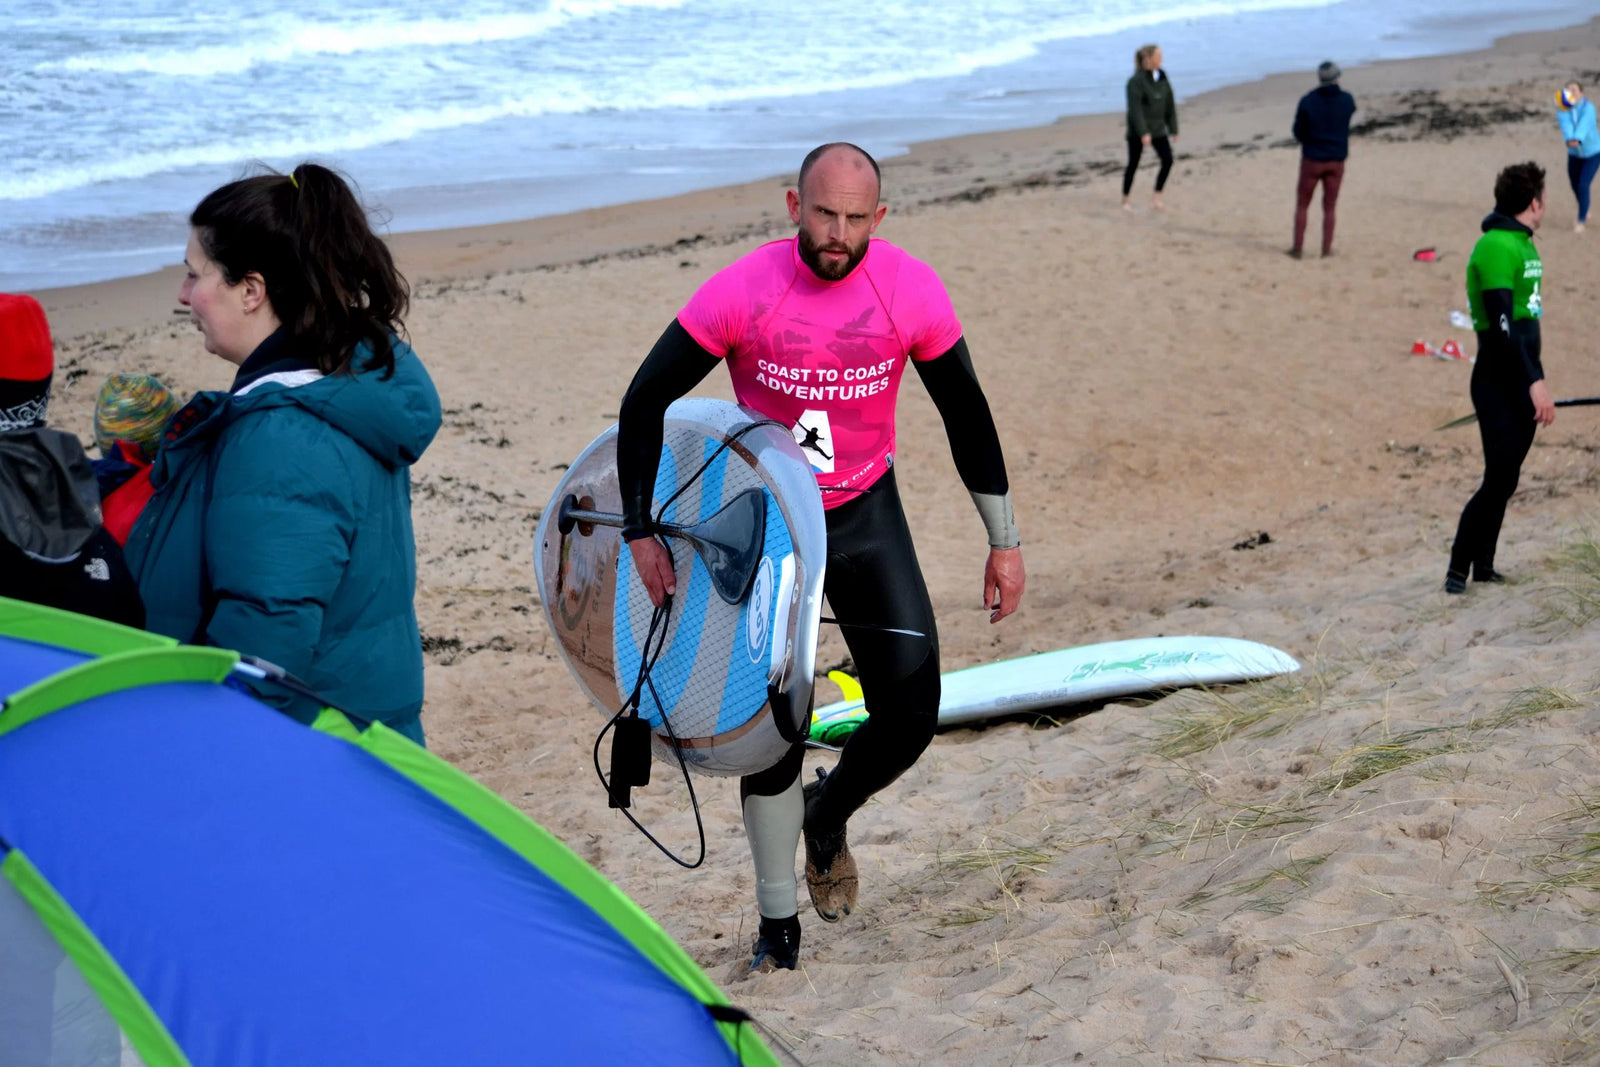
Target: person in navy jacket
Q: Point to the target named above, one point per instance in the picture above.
(1322, 126)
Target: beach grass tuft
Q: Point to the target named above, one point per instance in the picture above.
(1573, 593)
(1189, 733)
(1362, 763)
(1258, 709)
(1006, 860)
(1574, 863)
(1528, 703)
(1222, 716)
(1271, 892)
(1366, 762)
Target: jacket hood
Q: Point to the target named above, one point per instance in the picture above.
(1494, 220)
(49, 502)
(394, 418)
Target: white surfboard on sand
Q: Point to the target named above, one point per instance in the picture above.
(1080, 675)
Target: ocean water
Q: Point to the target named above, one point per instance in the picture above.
(115, 121)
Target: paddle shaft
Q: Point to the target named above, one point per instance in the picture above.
(1570, 402)
(571, 517)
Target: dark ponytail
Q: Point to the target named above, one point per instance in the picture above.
(329, 278)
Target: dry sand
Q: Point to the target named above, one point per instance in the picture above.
(1388, 858)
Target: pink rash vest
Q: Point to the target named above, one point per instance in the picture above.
(825, 358)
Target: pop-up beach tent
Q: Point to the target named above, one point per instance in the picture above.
(188, 877)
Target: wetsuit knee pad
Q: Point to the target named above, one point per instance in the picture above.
(777, 778)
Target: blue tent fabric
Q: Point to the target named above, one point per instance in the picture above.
(281, 897)
(24, 662)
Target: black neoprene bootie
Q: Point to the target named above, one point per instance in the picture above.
(1455, 582)
(1485, 572)
(777, 945)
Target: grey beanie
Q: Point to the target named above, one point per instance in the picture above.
(1328, 72)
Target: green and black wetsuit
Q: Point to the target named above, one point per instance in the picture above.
(1504, 282)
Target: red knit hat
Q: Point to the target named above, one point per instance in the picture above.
(27, 360)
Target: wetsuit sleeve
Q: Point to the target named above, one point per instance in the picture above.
(674, 366)
(1516, 339)
(974, 441)
(1172, 110)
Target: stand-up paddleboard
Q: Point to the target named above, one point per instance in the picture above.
(744, 524)
(1076, 676)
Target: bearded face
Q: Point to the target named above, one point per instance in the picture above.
(831, 259)
(837, 211)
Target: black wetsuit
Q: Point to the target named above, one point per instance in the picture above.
(873, 579)
(1508, 364)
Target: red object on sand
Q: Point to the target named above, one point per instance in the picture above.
(1451, 350)
(1425, 255)
(1422, 348)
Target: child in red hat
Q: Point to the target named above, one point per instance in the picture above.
(53, 548)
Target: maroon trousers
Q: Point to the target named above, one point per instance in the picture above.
(1330, 175)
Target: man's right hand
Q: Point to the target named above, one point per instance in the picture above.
(1144, 139)
(1544, 409)
(654, 564)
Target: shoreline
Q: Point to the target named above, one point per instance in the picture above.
(1241, 115)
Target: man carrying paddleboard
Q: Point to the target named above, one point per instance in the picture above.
(1504, 283)
(816, 331)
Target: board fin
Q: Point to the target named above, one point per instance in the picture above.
(839, 727)
(847, 685)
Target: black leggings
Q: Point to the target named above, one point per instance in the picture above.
(1505, 421)
(873, 579)
(1163, 149)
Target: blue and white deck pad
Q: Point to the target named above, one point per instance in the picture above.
(712, 673)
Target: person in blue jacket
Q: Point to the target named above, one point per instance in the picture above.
(1575, 112)
(280, 524)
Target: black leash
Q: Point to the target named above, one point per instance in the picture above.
(630, 747)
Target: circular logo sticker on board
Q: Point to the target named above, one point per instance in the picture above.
(756, 624)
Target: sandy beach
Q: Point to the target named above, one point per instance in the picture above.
(1386, 858)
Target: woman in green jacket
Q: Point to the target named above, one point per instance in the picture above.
(280, 525)
(1152, 120)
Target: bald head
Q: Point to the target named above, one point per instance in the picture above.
(836, 208)
(845, 160)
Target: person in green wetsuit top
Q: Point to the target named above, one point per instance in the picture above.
(1505, 281)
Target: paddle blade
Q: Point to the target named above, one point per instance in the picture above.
(729, 543)
(1465, 420)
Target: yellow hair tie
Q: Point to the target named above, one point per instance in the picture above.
(292, 181)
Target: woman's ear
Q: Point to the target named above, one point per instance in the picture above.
(252, 292)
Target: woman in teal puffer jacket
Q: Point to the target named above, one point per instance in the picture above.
(280, 525)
